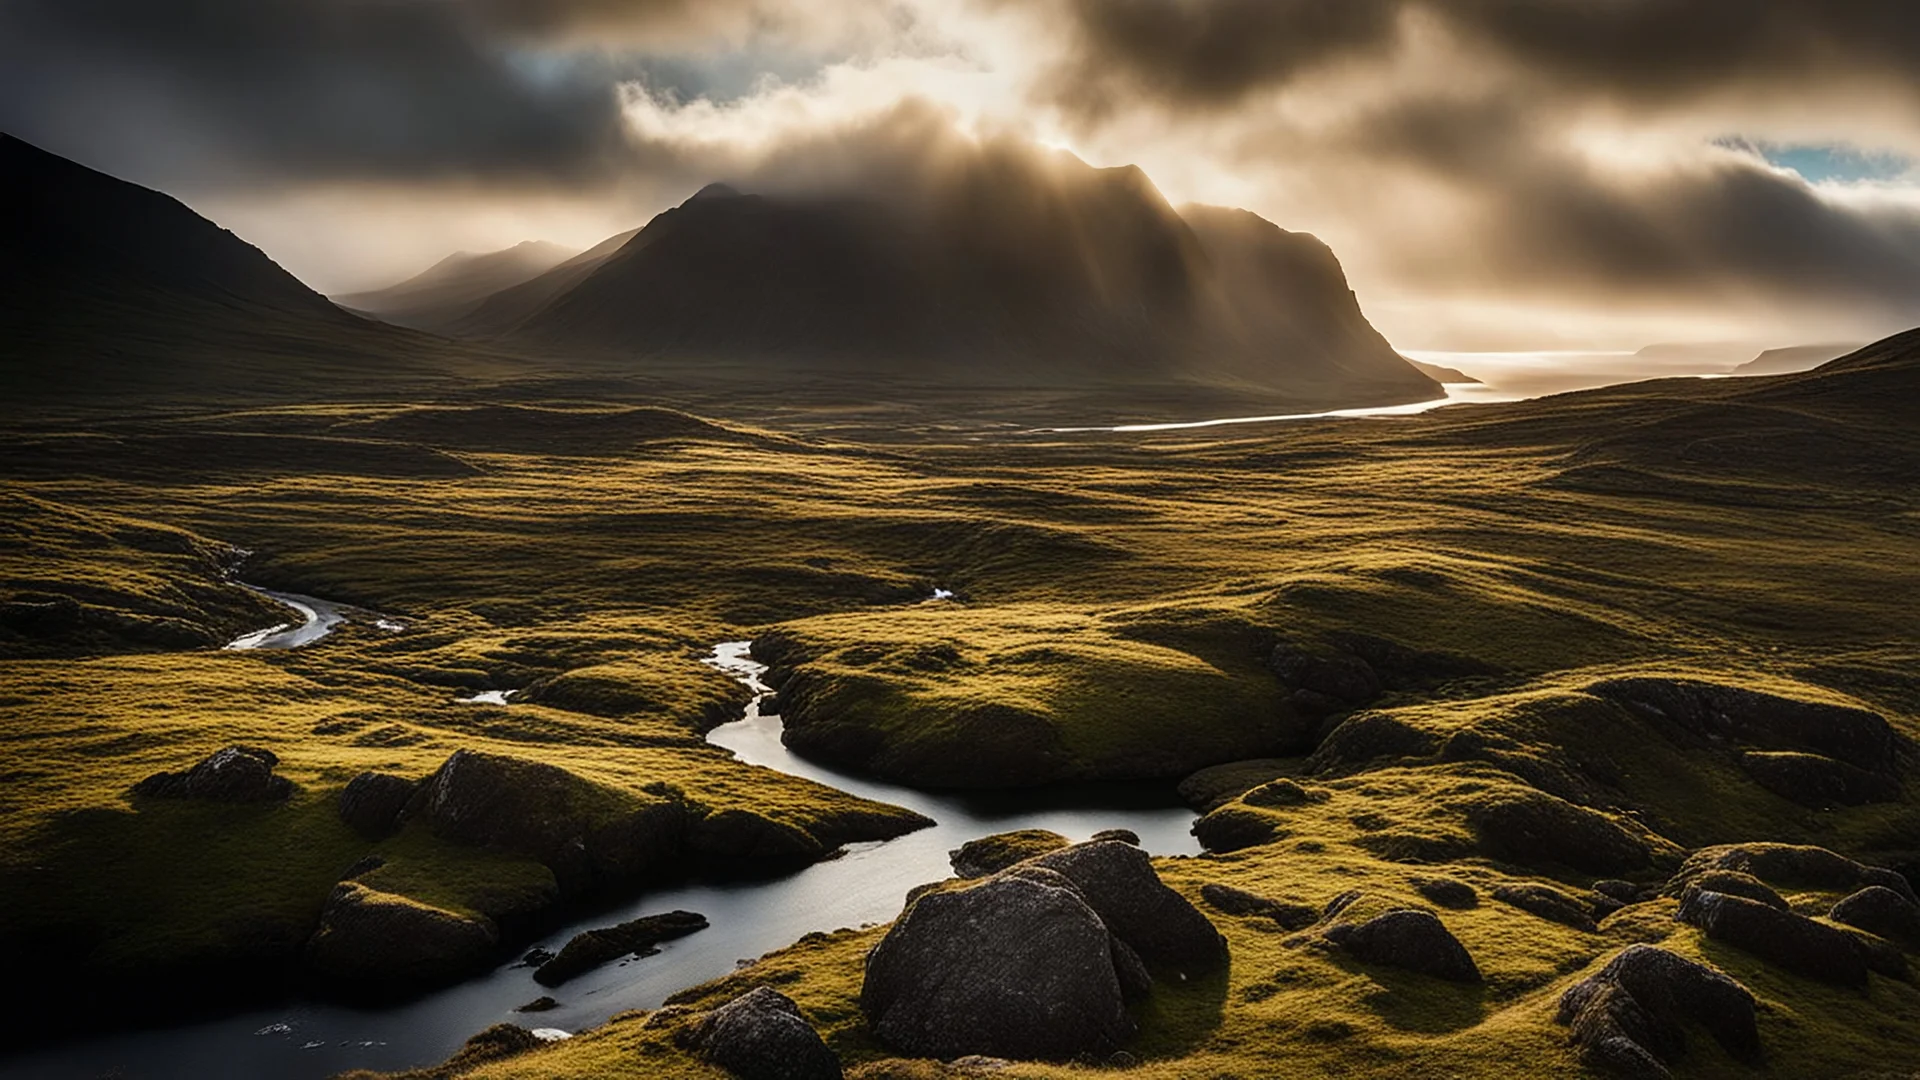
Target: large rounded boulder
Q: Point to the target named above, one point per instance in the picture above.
(1410, 939)
(1018, 966)
(761, 1035)
(1118, 881)
(1631, 1015)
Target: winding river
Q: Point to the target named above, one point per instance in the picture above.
(303, 1038)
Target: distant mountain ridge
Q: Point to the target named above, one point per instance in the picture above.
(1011, 269)
(454, 286)
(1795, 358)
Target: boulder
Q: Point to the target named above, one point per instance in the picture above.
(1125, 836)
(1788, 864)
(591, 948)
(371, 803)
(1445, 891)
(1548, 903)
(989, 855)
(1745, 886)
(582, 831)
(1629, 1015)
(1119, 883)
(1239, 902)
(1879, 910)
(761, 1035)
(1410, 939)
(1232, 828)
(1337, 675)
(1533, 827)
(1817, 782)
(1011, 967)
(238, 774)
(379, 939)
(1791, 942)
(497, 1043)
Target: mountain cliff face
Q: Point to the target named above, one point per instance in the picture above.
(1010, 269)
(454, 286)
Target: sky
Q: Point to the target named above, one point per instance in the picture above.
(1494, 174)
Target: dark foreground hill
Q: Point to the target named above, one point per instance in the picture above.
(1009, 269)
(110, 289)
(451, 288)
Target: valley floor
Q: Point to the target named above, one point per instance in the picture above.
(1435, 625)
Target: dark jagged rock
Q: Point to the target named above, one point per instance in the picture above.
(236, 774)
(1232, 828)
(1817, 782)
(1368, 737)
(1445, 891)
(1537, 828)
(1012, 967)
(1626, 892)
(991, 854)
(761, 1035)
(1628, 1016)
(1788, 864)
(1283, 792)
(1409, 939)
(1716, 715)
(371, 803)
(1792, 942)
(1120, 885)
(583, 832)
(543, 1003)
(1879, 910)
(377, 939)
(1340, 676)
(1239, 902)
(1125, 836)
(591, 948)
(1548, 903)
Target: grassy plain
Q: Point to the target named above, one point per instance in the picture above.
(1117, 598)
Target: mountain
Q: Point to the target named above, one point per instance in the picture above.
(1442, 372)
(454, 286)
(1789, 360)
(110, 291)
(511, 306)
(1013, 268)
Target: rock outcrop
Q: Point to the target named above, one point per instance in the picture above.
(1628, 1017)
(374, 938)
(1791, 942)
(1013, 967)
(583, 832)
(761, 1035)
(1879, 910)
(591, 948)
(1445, 891)
(989, 855)
(1793, 865)
(237, 774)
(1533, 828)
(1119, 883)
(1410, 939)
(371, 803)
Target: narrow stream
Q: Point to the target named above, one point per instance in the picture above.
(867, 885)
(318, 618)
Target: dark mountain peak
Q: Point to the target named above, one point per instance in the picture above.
(998, 262)
(716, 190)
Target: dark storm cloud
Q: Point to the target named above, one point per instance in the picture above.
(237, 91)
(1210, 53)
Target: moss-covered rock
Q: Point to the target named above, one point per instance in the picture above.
(374, 940)
(989, 855)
